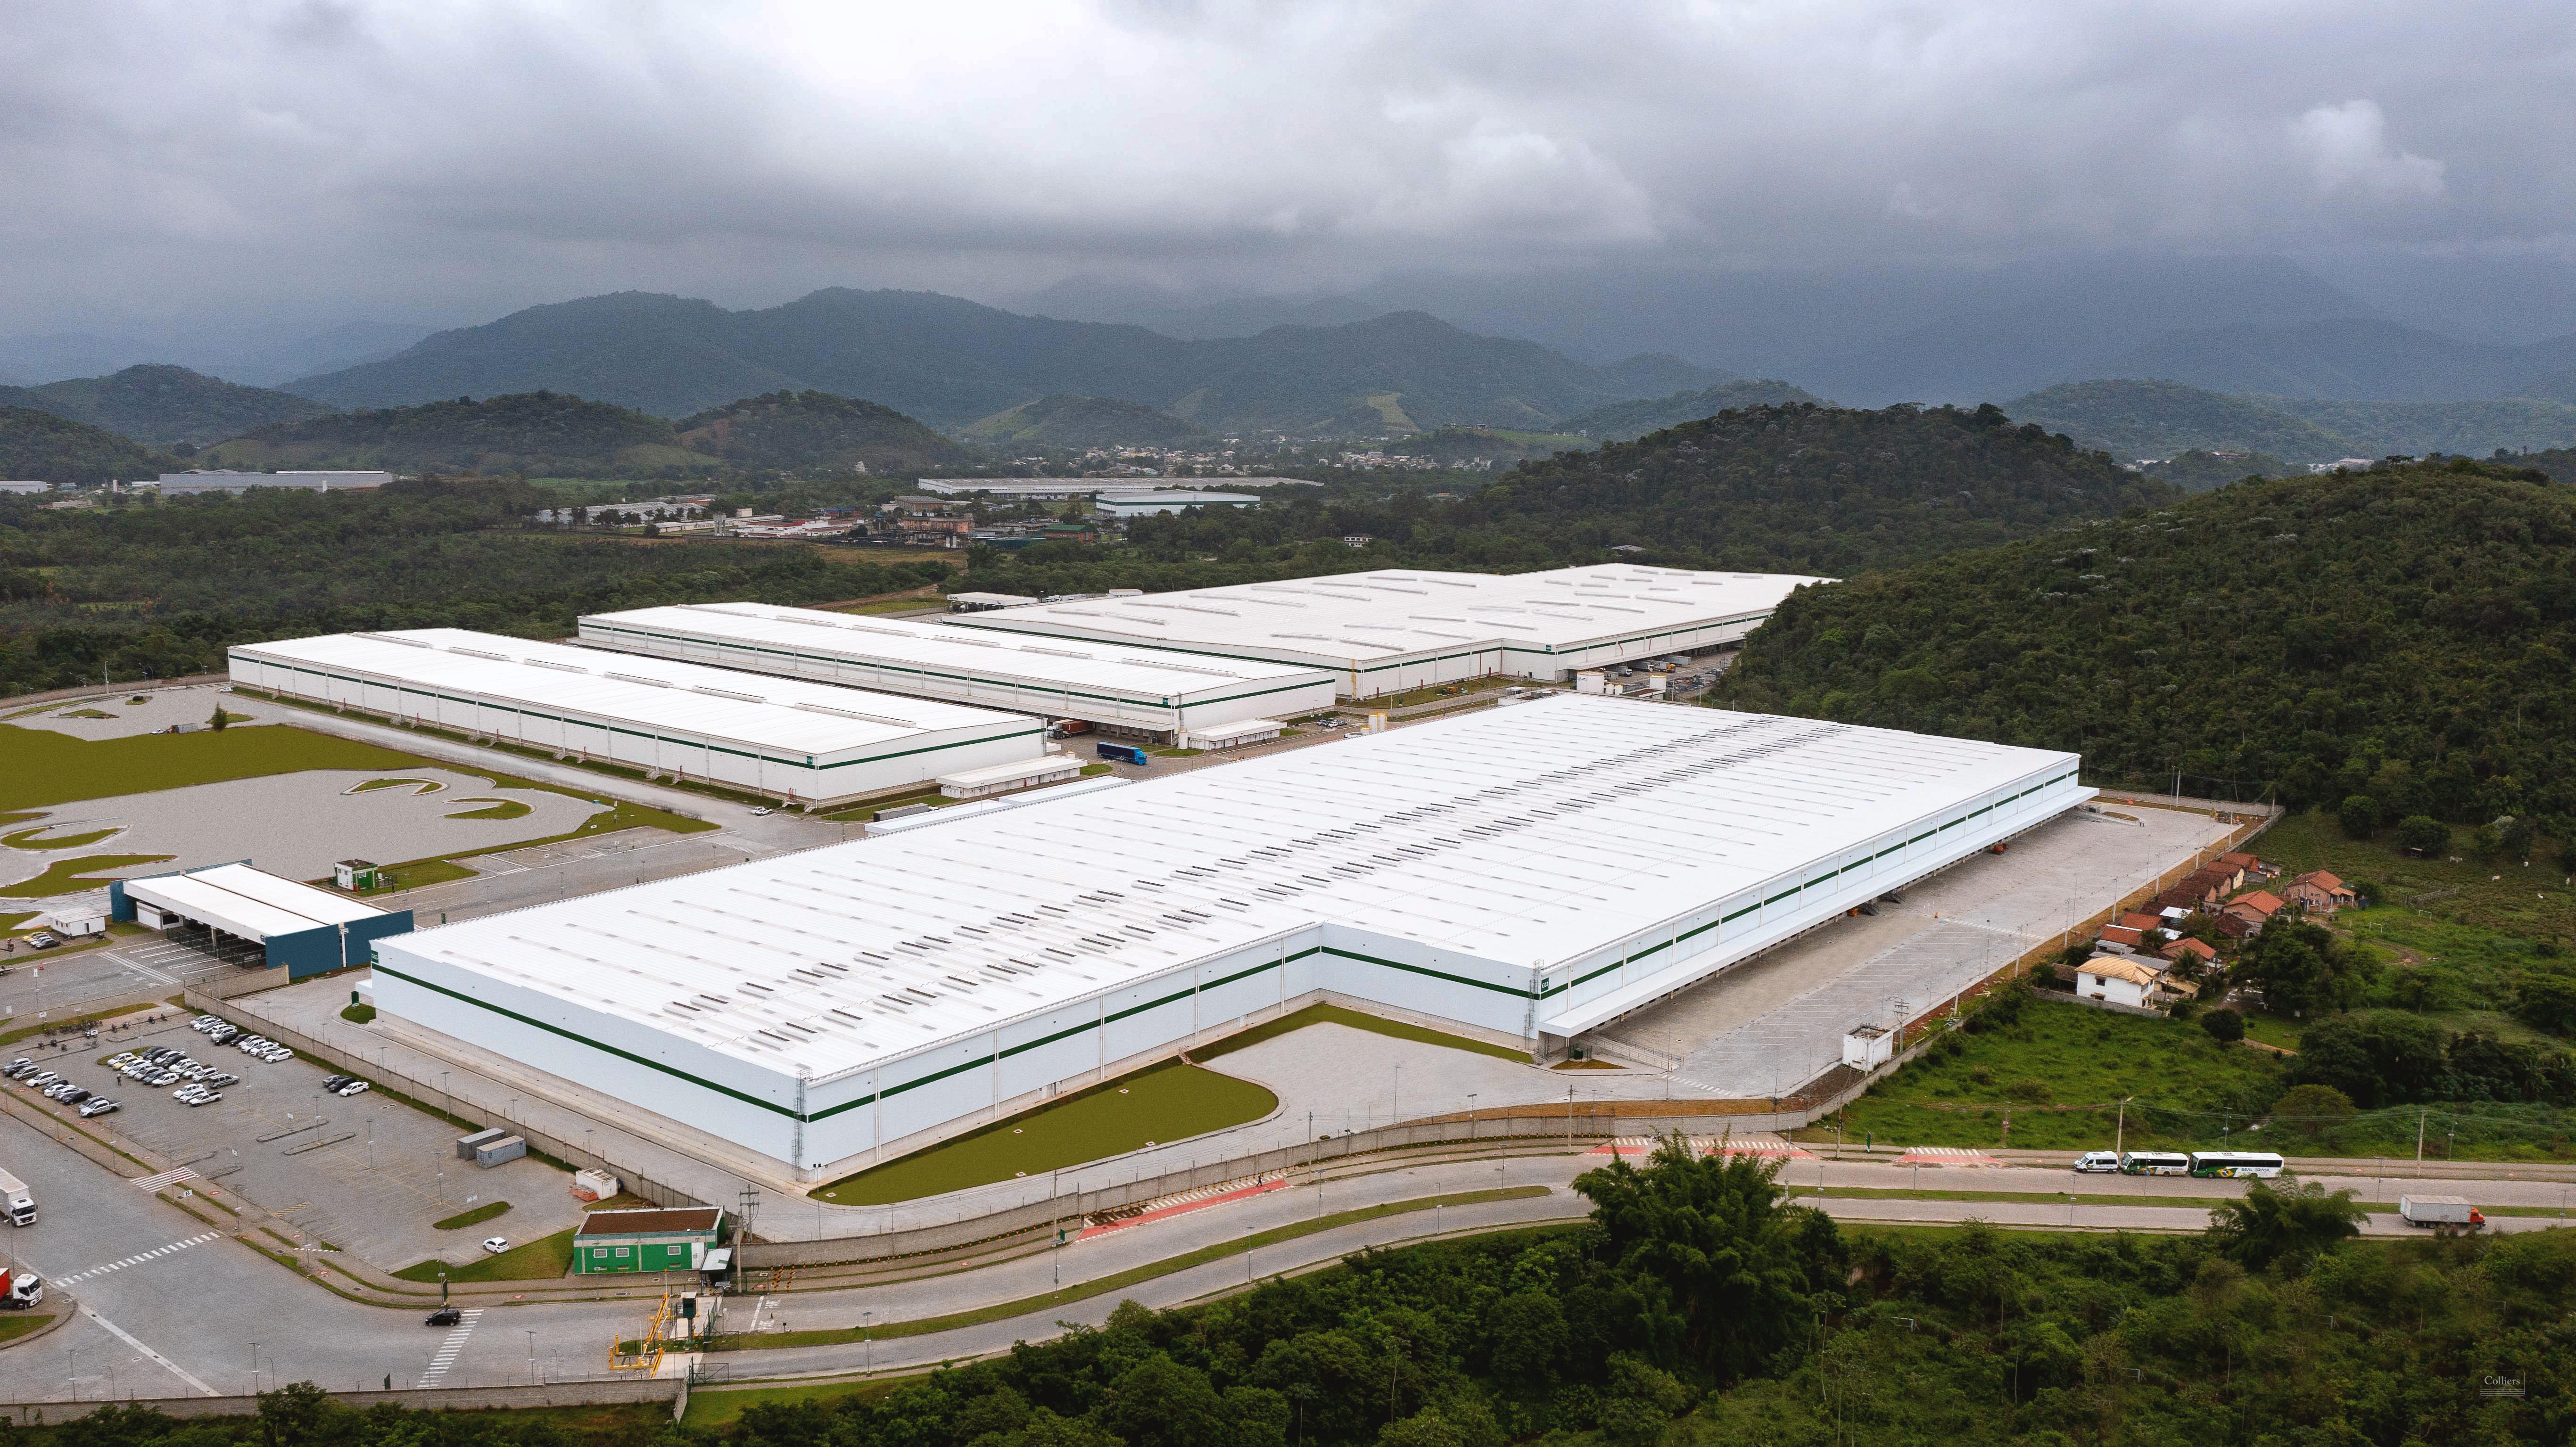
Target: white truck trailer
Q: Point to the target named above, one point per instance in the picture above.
(17, 1200)
(2439, 1211)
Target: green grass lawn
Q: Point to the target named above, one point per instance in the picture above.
(476, 1216)
(358, 1014)
(1357, 1020)
(2186, 1085)
(417, 786)
(494, 809)
(14, 1327)
(70, 876)
(2530, 901)
(1156, 1105)
(51, 768)
(543, 1259)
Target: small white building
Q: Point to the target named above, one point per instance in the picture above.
(1010, 778)
(2126, 979)
(25, 487)
(1234, 735)
(1867, 1047)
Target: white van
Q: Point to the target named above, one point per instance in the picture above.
(2102, 1163)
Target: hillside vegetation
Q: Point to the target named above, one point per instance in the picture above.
(1062, 419)
(160, 588)
(47, 447)
(161, 405)
(2134, 419)
(1799, 489)
(2413, 429)
(818, 432)
(530, 432)
(950, 362)
(2401, 635)
(1626, 421)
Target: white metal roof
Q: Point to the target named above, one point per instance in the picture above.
(1157, 676)
(1525, 836)
(1396, 612)
(246, 902)
(1005, 773)
(780, 713)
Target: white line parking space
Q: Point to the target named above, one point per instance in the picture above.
(448, 1349)
(137, 1260)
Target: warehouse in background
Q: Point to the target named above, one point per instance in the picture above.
(803, 743)
(1392, 630)
(309, 931)
(1159, 693)
(1522, 875)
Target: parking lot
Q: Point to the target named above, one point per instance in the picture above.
(365, 1173)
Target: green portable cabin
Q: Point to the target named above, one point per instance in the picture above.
(657, 1238)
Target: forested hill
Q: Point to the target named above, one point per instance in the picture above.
(1062, 419)
(818, 432)
(2403, 635)
(1815, 489)
(1623, 421)
(161, 405)
(531, 432)
(46, 447)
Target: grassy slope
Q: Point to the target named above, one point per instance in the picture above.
(1159, 1104)
(51, 768)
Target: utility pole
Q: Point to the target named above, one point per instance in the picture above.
(2420, 1117)
(2120, 1134)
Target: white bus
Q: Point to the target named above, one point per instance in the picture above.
(2262, 1165)
(2155, 1163)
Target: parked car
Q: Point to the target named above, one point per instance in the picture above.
(20, 1066)
(164, 1077)
(73, 1096)
(497, 1244)
(354, 1087)
(220, 1079)
(277, 1055)
(204, 1023)
(41, 1079)
(2099, 1163)
(334, 1082)
(99, 1105)
(763, 811)
(209, 1098)
(444, 1316)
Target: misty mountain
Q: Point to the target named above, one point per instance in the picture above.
(2348, 357)
(533, 432)
(2130, 419)
(1065, 420)
(162, 405)
(816, 432)
(259, 355)
(951, 362)
(48, 447)
(1188, 315)
(2470, 428)
(1621, 421)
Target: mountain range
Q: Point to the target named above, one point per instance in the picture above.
(951, 362)
(2135, 419)
(162, 405)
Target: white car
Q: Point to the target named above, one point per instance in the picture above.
(277, 1055)
(354, 1087)
(98, 1105)
(763, 811)
(497, 1245)
(2098, 1163)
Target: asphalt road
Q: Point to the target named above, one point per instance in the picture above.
(168, 1311)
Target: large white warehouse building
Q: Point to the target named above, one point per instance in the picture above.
(1524, 874)
(1392, 630)
(805, 743)
(1150, 689)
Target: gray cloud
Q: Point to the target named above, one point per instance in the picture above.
(331, 158)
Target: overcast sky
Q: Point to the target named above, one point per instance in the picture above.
(445, 162)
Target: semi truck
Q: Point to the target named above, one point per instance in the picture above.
(17, 1200)
(2439, 1211)
(20, 1288)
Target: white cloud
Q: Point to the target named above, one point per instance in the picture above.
(2348, 154)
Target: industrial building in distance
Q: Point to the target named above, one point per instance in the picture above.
(1520, 874)
(1388, 631)
(799, 742)
(1149, 691)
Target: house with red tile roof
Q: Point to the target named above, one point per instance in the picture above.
(2318, 892)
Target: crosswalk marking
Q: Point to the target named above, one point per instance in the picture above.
(448, 1348)
(137, 1260)
(166, 1179)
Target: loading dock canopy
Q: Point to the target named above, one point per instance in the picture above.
(248, 903)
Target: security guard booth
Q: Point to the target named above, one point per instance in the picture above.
(655, 1238)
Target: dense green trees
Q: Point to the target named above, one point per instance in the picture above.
(2392, 1057)
(160, 589)
(539, 433)
(2403, 635)
(43, 447)
(816, 432)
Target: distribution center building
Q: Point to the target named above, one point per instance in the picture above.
(805, 743)
(1392, 630)
(1156, 691)
(1521, 874)
(307, 930)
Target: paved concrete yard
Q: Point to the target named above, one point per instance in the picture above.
(159, 710)
(386, 1171)
(1776, 1021)
(298, 825)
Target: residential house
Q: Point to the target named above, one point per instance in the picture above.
(2318, 892)
(2248, 866)
(2196, 951)
(2122, 935)
(2143, 923)
(2254, 910)
(2128, 980)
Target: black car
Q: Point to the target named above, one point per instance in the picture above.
(334, 1082)
(444, 1316)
